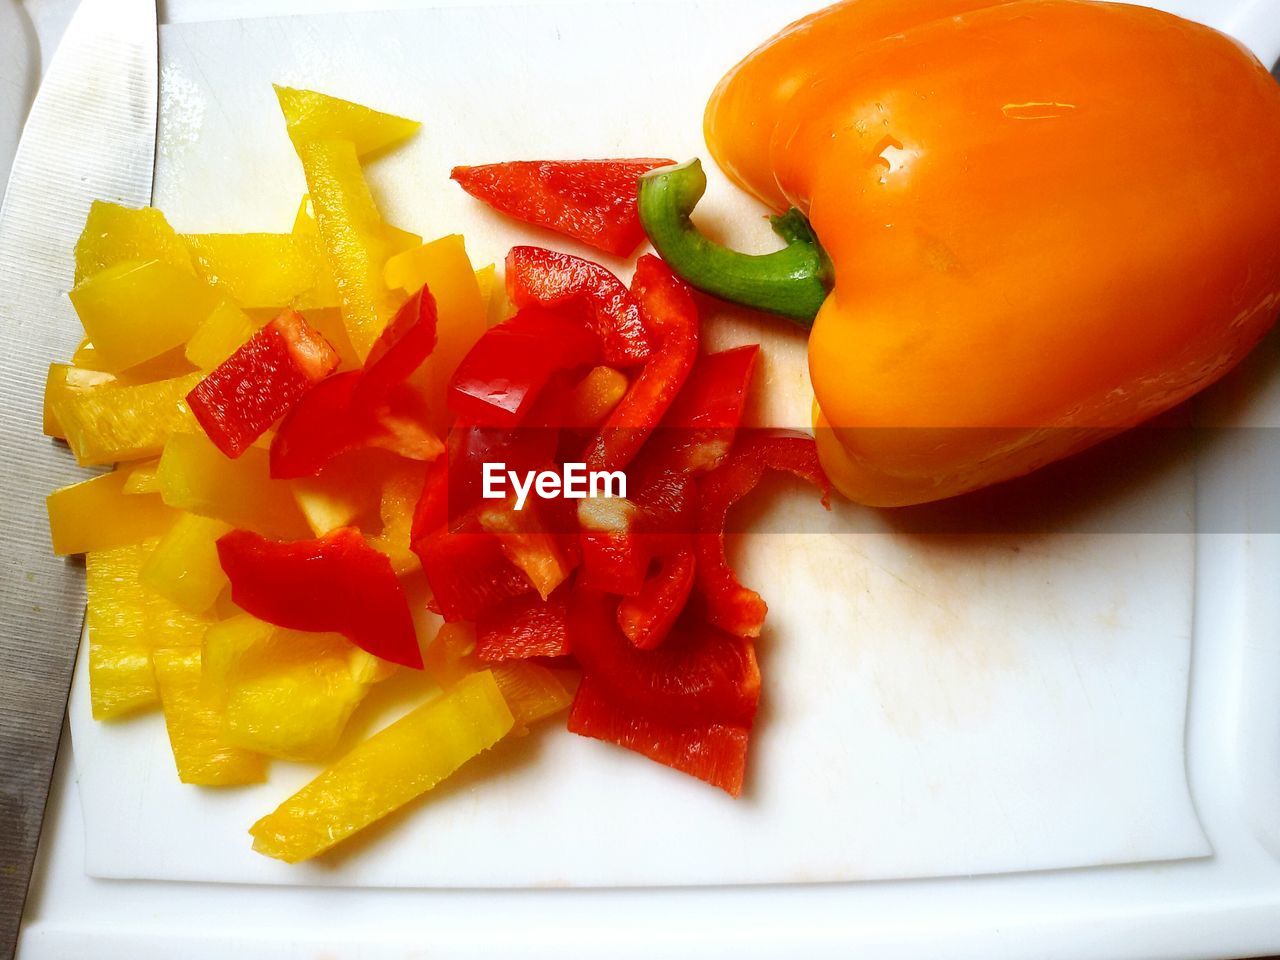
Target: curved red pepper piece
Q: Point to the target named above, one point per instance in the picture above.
(730, 605)
(374, 406)
(697, 432)
(526, 626)
(589, 200)
(700, 674)
(468, 573)
(537, 276)
(648, 617)
(337, 584)
(713, 752)
(258, 384)
(501, 377)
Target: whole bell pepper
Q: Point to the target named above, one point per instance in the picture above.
(1019, 253)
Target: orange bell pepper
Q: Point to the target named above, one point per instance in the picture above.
(1030, 250)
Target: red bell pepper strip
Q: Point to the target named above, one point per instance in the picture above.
(374, 406)
(537, 276)
(258, 384)
(525, 626)
(336, 584)
(697, 432)
(500, 379)
(730, 605)
(700, 674)
(589, 200)
(713, 752)
(431, 514)
(468, 573)
(672, 319)
(613, 560)
(648, 617)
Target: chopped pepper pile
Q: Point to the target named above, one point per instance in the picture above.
(300, 425)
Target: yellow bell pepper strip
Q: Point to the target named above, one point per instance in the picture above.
(115, 421)
(184, 566)
(486, 282)
(996, 305)
(62, 379)
(310, 115)
(126, 621)
(140, 476)
(113, 234)
(200, 750)
(355, 243)
(396, 765)
(138, 309)
(282, 693)
(96, 515)
(398, 498)
(195, 476)
(306, 236)
(240, 399)
(219, 335)
(257, 270)
(443, 267)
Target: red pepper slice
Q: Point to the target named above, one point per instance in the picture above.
(589, 200)
(374, 406)
(336, 584)
(672, 319)
(697, 432)
(699, 674)
(730, 605)
(525, 626)
(713, 752)
(500, 379)
(468, 573)
(431, 515)
(258, 384)
(648, 617)
(537, 276)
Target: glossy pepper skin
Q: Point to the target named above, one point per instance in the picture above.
(1030, 248)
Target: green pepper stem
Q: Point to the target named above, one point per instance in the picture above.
(791, 282)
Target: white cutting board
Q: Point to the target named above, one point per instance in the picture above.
(934, 706)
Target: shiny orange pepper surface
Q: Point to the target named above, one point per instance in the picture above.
(1046, 219)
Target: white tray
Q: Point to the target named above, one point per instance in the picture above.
(1178, 880)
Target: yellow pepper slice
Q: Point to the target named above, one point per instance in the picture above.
(400, 494)
(353, 236)
(220, 335)
(63, 379)
(113, 234)
(117, 421)
(306, 235)
(184, 566)
(140, 477)
(257, 270)
(394, 766)
(444, 267)
(96, 514)
(126, 622)
(310, 115)
(202, 754)
(138, 309)
(195, 476)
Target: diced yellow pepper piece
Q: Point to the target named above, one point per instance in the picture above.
(85, 357)
(383, 773)
(140, 476)
(126, 622)
(400, 494)
(399, 241)
(353, 236)
(443, 266)
(184, 566)
(344, 492)
(63, 378)
(115, 421)
(306, 234)
(317, 116)
(256, 270)
(166, 366)
(113, 234)
(487, 281)
(531, 690)
(97, 515)
(220, 335)
(139, 309)
(283, 693)
(368, 669)
(202, 754)
(195, 476)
